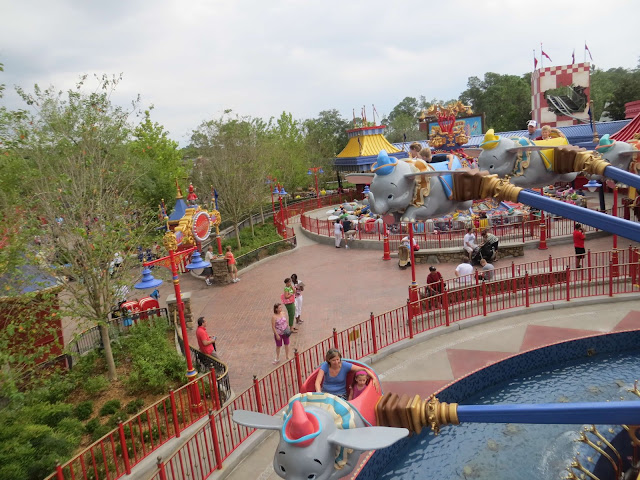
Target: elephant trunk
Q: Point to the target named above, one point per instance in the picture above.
(379, 207)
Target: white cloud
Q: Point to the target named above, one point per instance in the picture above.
(194, 59)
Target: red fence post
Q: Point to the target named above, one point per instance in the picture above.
(386, 251)
(550, 263)
(568, 283)
(123, 446)
(589, 265)
(214, 381)
(543, 232)
(335, 338)
(214, 440)
(174, 410)
(445, 304)
(484, 299)
(59, 474)
(161, 470)
(526, 288)
(611, 279)
(373, 333)
(409, 307)
(296, 357)
(256, 389)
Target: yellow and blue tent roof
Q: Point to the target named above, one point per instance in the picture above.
(366, 142)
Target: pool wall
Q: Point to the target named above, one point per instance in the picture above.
(516, 365)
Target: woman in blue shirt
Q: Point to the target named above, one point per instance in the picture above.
(332, 376)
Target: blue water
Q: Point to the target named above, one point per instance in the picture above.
(518, 451)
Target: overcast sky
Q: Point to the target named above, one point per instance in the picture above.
(194, 59)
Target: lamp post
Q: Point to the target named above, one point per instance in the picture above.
(171, 244)
(283, 216)
(314, 171)
(593, 185)
(270, 181)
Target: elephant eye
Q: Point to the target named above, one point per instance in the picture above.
(282, 469)
(390, 197)
(312, 476)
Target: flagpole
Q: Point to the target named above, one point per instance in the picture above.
(585, 51)
(541, 58)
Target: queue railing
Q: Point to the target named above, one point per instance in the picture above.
(606, 274)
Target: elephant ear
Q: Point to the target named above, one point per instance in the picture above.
(472, 152)
(629, 153)
(256, 420)
(368, 438)
(529, 148)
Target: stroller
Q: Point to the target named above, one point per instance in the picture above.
(488, 251)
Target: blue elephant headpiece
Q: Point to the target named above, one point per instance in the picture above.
(605, 144)
(384, 164)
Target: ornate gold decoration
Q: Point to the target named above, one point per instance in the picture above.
(413, 413)
(584, 439)
(169, 241)
(216, 218)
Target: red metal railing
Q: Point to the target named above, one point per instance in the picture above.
(430, 235)
(555, 279)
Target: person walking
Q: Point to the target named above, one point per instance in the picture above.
(578, 244)
(289, 298)
(299, 288)
(281, 331)
(337, 231)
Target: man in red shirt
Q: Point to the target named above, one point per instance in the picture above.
(578, 244)
(206, 343)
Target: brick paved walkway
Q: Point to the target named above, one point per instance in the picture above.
(342, 287)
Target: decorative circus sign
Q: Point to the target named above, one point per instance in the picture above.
(201, 226)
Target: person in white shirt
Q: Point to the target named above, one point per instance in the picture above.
(337, 230)
(464, 272)
(208, 257)
(469, 242)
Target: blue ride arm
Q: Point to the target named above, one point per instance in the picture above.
(608, 223)
(597, 413)
(623, 176)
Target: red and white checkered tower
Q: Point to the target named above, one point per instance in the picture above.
(548, 78)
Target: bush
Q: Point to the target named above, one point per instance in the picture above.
(92, 425)
(47, 413)
(94, 386)
(156, 366)
(100, 432)
(110, 407)
(134, 406)
(83, 410)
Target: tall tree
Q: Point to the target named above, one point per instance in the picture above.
(160, 162)
(325, 137)
(228, 150)
(78, 143)
(504, 99)
(402, 121)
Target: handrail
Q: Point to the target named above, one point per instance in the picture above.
(607, 273)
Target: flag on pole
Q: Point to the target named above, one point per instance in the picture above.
(573, 57)
(354, 118)
(545, 55)
(588, 51)
(535, 60)
(374, 113)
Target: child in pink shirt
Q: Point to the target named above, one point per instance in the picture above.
(361, 383)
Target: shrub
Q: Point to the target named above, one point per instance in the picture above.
(94, 386)
(100, 432)
(92, 425)
(71, 428)
(48, 413)
(110, 407)
(156, 366)
(134, 406)
(83, 410)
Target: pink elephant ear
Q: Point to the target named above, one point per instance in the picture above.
(301, 427)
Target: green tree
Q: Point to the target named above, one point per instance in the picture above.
(504, 99)
(325, 137)
(229, 150)
(77, 143)
(402, 122)
(160, 162)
